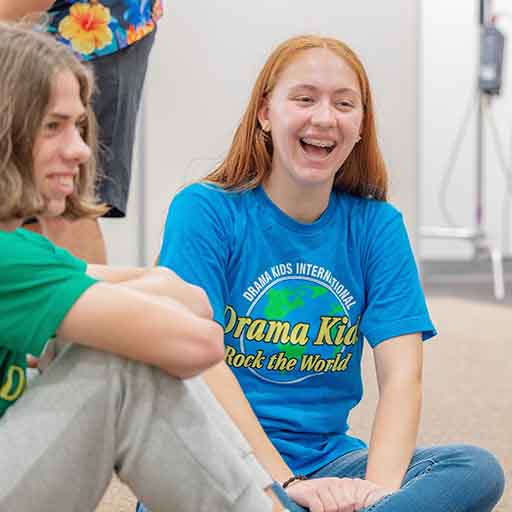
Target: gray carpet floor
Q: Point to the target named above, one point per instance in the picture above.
(467, 385)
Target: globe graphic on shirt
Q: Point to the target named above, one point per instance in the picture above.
(292, 301)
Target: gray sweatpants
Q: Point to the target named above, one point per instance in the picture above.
(92, 412)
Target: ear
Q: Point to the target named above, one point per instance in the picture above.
(263, 116)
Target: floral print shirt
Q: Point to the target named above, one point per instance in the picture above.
(100, 27)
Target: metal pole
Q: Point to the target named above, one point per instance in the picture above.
(476, 236)
(480, 156)
(482, 18)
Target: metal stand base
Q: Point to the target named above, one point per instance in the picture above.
(482, 249)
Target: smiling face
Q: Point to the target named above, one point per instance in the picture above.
(59, 148)
(314, 114)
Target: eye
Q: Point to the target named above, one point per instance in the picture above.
(305, 100)
(51, 126)
(345, 105)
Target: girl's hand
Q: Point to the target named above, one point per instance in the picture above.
(335, 494)
(376, 495)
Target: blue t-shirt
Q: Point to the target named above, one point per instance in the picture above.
(296, 301)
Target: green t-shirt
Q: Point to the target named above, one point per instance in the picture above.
(39, 283)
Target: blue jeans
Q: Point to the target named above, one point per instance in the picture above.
(453, 478)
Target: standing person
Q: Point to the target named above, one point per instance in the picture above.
(302, 258)
(115, 398)
(116, 37)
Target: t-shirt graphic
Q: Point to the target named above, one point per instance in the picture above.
(297, 325)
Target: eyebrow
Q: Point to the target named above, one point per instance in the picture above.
(65, 117)
(310, 87)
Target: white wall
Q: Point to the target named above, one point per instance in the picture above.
(124, 236)
(448, 84)
(205, 61)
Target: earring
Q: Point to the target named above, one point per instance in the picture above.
(358, 139)
(265, 126)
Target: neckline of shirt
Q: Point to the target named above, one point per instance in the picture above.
(288, 222)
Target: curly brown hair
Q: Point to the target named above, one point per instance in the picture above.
(29, 64)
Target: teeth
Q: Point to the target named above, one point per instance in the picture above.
(319, 143)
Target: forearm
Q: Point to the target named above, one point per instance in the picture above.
(394, 433)
(154, 330)
(114, 274)
(15, 9)
(228, 392)
(157, 281)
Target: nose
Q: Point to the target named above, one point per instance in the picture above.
(323, 115)
(76, 149)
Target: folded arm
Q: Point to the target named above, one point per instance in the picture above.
(158, 281)
(155, 330)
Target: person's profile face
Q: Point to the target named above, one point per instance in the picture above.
(59, 148)
(314, 114)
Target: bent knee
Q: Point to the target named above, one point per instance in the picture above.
(485, 475)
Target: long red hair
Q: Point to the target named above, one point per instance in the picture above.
(249, 160)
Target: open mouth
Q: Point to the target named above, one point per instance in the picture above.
(317, 146)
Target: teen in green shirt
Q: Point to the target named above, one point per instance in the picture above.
(115, 398)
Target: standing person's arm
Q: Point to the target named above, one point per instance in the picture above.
(398, 364)
(11, 10)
